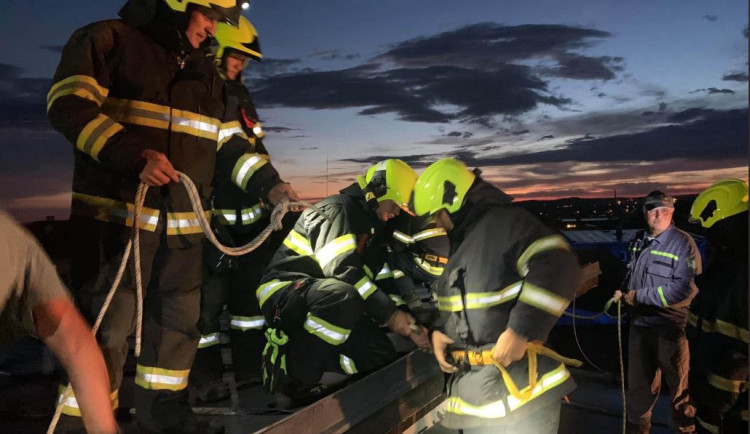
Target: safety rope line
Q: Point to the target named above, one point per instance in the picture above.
(134, 245)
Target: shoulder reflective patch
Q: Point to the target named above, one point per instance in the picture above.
(333, 249)
(83, 86)
(541, 245)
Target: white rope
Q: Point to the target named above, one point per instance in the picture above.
(133, 245)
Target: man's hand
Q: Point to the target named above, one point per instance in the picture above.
(509, 348)
(405, 325)
(440, 342)
(281, 190)
(628, 297)
(158, 170)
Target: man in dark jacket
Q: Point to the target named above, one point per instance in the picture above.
(320, 295)
(508, 280)
(140, 101)
(662, 262)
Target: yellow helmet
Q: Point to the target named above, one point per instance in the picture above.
(443, 184)
(228, 10)
(243, 38)
(719, 201)
(390, 179)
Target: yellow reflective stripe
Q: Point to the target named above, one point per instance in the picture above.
(542, 299)
(326, 331)
(660, 290)
(429, 233)
(258, 130)
(541, 245)
(298, 243)
(397, 274)
(713, 429)
(550, 380)
(265, 290)
(83, 86)
(347, 365)
(365, 287)
(397, 299)
(229, 129)
(71, 408)
(225, 216)
(209, 340)
(458, 406)
(403, 237)
(113, 211)
(153, 378)
(727, 385)
(183, 223)
(424, 265)
(245, 323)
(479, 300)
(368, 272)
(252, 214)
(721, 327)
(338, 247)
(95, 134)
(245, 168)
(163, 117)
(384, 273)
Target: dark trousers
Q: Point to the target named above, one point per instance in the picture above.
(655, 354)
(171, 283)
(545, 420)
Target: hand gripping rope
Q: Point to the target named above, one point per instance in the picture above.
(134, 244)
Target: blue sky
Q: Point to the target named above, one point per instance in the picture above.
(551, 99)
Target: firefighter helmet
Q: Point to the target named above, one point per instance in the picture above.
(443, 185)
(390, 179)
(243, 39)
(227, 10)
(719, 201)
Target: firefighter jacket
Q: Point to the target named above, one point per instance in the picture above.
(244, 173)
(661, 270)
(118, 91)
(506, 269)
(343, 241)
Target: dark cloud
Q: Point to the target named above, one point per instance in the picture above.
(713, 90)
(585, 68)
(549, 136)
(580, 139)
(454, 134)
(312, 148)
(22, 100)
(53, 48)
(520, 133)
(647, 113)
(711, 18)
(744, 32)
(735, 76)
(279, 129)
(691, 114)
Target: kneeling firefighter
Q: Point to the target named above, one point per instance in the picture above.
(508, 280)
(320, 296)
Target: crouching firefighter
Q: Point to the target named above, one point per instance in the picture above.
(508, 280)
(320, 297)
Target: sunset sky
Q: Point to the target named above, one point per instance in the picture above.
(550, 98)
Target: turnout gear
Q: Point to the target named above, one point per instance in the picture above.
(443, 184)
(722, 200)
(506, 270)
(243, 39)
(390, 179)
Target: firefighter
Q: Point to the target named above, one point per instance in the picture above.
(319, 294)
(139, 101)
(659, 286)
(718, 316)
(508, 280)
(240, 214)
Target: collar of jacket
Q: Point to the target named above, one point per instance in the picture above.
(166, 27)
(480, 198)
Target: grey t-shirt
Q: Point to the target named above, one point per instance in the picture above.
(27, 279)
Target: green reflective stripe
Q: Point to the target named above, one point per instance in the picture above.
(95, 135)
(384, 273)
(492, 410)
(338, 247)
(397, 274)
(326, 331)
(542, 299)
(368, 272)
(365, 287)
(347, 365)
(298, 243)
(268, 289)
(83, 86)
(541, 245)
(251, 215)
(661, 295)
(429, 233)
(229, 129)
(711, 428)
(226, 217)
(479, 300)
(726, 384)
(209, 340)
(665, 254)
(403, 237)
(244, 323)
(424, 265)
(149, 377)
(397, 299)
(245, 168)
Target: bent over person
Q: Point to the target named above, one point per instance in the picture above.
(140, 101)
(508, 280)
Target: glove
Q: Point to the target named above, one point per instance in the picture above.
(275, 376)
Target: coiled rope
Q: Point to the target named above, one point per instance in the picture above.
(134, 246)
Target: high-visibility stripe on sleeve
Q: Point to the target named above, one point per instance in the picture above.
(479, 300)
(660, 290)
(347, 365)
(333, 249)
(83, 86)
(365, 287)
(429, 233)
(183, 223)
(542, 299)
(209, 340)
(110, 210)
(226, 217)
(397, 274)
(229, 129)
(726, 384)
(400, 236)
(71, 408)
(298, 243)
(384, 273)
(368, 272)
(326, 331)
(252, 214)
(665, 254)
(397, 299)
(541, 245)
(149, 377)
(266, 290)
(245, 168)
(245, 323)
(95, 134)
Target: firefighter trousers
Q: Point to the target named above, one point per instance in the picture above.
(171, 281)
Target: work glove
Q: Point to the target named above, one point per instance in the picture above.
(275, 376)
